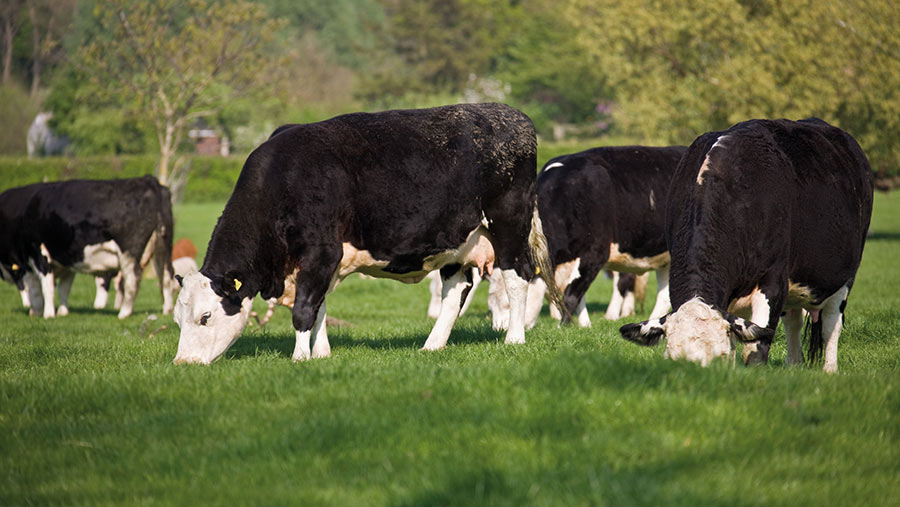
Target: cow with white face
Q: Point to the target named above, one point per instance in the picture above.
(768, 218)
(396, 194)
(102, 227)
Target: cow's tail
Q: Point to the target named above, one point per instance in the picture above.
(813, 333)
(543, 267)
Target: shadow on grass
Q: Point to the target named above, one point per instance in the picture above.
(283, 343)
(883, 236)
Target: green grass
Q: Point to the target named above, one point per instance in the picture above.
(92, 411)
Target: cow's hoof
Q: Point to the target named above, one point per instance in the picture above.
(62, 311)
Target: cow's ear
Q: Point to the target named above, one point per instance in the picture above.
(180, 280)
(647, 333)
(747, 331)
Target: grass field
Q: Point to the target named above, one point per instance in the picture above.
(92, 410)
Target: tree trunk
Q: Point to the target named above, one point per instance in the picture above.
(8, 35)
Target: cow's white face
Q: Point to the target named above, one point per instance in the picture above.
(206, 330)
(698, 333)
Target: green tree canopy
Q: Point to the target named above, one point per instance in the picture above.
(680, 69)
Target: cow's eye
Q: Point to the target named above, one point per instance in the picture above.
(204, 319)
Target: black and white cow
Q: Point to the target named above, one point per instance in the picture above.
(770, 216)
(395, 194)
(604, 208)
(90, 226)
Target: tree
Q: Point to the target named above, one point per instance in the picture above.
(178, 61)
(680, 69)
(11, 22)
(50, 20)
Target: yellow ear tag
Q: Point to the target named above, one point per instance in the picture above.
(537, 270)
(15, 267)
(237, 284)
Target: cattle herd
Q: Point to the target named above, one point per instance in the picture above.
(762, 221)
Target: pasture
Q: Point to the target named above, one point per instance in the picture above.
(92, 410)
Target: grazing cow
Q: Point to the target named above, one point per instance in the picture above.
(602, 208)
(395, 194)
(770, 216)
(90, 226)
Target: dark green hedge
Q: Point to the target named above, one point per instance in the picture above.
(209, 179)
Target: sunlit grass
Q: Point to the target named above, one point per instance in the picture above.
(92, 411)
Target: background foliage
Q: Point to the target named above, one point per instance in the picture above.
(647, 71)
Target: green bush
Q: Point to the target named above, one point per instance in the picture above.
(210, 178)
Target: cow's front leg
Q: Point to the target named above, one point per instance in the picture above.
(456, 284)
(766, 303)
(663, 303)
(35, 293)
(574, 295)
(66, 278)
(317, 336)
(47, 284)
(312, 284)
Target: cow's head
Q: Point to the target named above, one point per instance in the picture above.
(696, 331)
(211, 314)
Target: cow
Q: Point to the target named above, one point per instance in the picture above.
(184, 255)
(53, 230)
(394, 194)
(602, 208)
(769, 216)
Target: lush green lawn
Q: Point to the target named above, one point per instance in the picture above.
(92, 411)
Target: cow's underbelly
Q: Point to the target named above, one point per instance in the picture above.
(476, 251)
(624, 262)
(99, 258)
(798, 296)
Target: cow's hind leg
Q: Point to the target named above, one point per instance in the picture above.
(456, 284)
(832, 324)
(102, 283)
(793, 331)
(131, 280)
(574, 295)
(616, 301)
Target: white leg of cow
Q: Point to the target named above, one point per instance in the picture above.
(320, 346)
(584, 320)
(832, 325)
(760, 310)
(614, 310)
(498, 303)
(451, 302)
(65, 287)
(434, 305)
(26, 301)
(535, 300)
(627, 305)
(554, 313)
(793, 329)
(476, 279)
(131, 274)
(47, 283)
(302, 350)
(102, 293)
(517, 292)
(661, 308)
(120, 290)
(35, 293)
